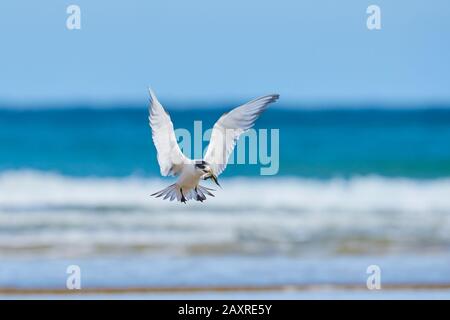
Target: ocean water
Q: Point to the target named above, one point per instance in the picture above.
(354, 188)
(317, 144)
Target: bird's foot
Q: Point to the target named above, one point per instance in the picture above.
(199, 198)
(183, 199)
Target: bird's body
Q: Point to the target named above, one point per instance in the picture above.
(173, 162)
(189, 177)
(187, 185)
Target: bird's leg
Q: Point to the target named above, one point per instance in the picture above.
(183, 199)
(198, 196)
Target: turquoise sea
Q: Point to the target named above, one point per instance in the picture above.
(319, 144)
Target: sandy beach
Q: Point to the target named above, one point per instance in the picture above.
(338, 291)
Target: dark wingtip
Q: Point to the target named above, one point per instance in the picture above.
(274, 97)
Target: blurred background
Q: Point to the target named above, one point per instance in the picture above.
(364, 149)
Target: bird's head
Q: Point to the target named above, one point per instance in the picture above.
(206, 172)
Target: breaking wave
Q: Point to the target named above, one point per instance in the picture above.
(47, 213)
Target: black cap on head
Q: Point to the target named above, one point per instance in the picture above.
(201, 164)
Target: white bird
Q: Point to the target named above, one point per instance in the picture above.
(173, 162)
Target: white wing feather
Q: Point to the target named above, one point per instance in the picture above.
(170, 157)
(229, 127)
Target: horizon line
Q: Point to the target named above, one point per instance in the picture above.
(193, 104)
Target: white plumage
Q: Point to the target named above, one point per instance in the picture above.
(225, 133)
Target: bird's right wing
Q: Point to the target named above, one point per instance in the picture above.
(170, 157)
(229, 127)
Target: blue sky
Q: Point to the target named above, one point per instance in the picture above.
(202, 50)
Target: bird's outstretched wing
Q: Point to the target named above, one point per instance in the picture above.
(229, 127)
(170, 157)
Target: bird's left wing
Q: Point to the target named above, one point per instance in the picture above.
(170, 157)
(229, 127)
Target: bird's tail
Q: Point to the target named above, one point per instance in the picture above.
(173, 192)
(170, 193)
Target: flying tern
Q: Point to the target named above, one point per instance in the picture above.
(190, 172)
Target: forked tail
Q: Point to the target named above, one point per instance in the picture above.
(174, 191)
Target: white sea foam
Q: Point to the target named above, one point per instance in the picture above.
(53, 214)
